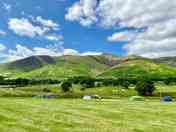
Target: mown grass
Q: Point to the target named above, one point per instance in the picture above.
(75, 115)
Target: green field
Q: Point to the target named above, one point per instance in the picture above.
(75, 115)
(22, 110)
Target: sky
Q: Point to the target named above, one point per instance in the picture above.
(87, 27)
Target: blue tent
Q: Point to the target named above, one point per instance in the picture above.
(167, 99)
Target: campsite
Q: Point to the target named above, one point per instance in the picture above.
(87, 66)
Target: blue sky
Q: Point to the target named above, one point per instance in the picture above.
(93, 26)
(75, 36)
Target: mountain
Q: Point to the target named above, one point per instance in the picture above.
(105, 65)
(55, 67)
(171, 61)
(140, 67)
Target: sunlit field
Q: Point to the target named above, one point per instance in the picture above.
(76, 115)
(23, 110)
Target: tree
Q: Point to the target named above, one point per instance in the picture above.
(125, 84)
(107, 82)
(66, 86)
(145, 88)
(88, 83)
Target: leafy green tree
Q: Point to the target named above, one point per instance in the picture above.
(125, 84)
(88, 83)
(145, 88)
(66, 86)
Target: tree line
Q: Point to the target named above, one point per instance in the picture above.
(143, 85)
(21, 82)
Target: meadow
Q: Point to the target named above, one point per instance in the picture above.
(76, 115)
(22, 110)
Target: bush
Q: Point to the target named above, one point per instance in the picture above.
(46, 90)
(88, 83)
(108, 82)
(66, 86)
(137, 98)
(124, 83)
(145, 88)
(82, 89)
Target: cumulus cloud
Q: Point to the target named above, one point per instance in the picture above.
(37, 27)
(83, 12)
(2, 47)
(22, 51)
(47, 23)
(91, 53)
(157, 17)
(122, 36)
(24, 27)
(2, 33)
(53, 37)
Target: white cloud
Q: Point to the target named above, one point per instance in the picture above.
(158, 41)
(37, 27)
(24, 27)
(83, 12)
(2, 47)
(53, 37)
(122, 36)
(157, 17)
(21, 52)
(47, 23)
(2, 33)
(91, 53)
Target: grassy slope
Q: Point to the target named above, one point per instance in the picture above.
(68, 66)
(137, 68)
(36, 115)
(166, 60)
(63, 67)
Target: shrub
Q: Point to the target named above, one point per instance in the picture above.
(66, 86)
(88, 83)
(125, 84)
(145, 88)
(167, 81)
(82, 89)
(107, 82)
(46, 90)
(98, 84)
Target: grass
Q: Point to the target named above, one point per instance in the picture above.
(65, 115)
(136, 68)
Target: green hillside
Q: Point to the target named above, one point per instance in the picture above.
(67, 66)
(105, 65)
(54, 67)
(137, 68)
(171, 61)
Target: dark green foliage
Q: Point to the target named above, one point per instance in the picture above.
(66, 86)
(21, 82)
(46, 90)
(107, 82)
(83, 88)
(145, 87)
(88, 83)
(169, 80)
(125, 84)
(98, 84)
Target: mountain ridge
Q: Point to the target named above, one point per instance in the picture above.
(92, 65)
